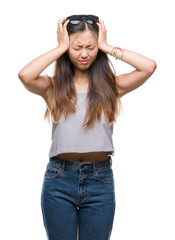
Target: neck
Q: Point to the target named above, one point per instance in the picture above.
(82, 79)
(81, 76)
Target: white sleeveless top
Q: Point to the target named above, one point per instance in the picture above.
(68, 135)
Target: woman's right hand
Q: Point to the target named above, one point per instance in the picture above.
(62, 34)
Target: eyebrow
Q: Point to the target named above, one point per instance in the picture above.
(81, 45)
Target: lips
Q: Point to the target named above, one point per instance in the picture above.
(84, 62)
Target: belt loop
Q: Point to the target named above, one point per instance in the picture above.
(110, 161)
(62, 164)
(94, 167)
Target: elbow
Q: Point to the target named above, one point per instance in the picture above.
(22, 76)
(153, 66)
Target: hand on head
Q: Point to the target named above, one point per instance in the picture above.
(62, 34)
(102, 34)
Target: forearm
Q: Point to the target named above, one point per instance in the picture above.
(136, 60)
(34, 68)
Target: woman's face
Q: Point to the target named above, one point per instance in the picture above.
(83, 46)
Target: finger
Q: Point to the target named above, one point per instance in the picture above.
(65, 20)
(61, 22)
(62, 19)
(99, 24)
(103, 25)
(65, 24)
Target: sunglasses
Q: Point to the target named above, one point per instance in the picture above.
(76, 19)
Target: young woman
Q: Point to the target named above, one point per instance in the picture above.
(83, 99)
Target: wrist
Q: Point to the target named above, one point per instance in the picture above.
(106, 48)
(62, 48)
(112, 50)
(117, 52)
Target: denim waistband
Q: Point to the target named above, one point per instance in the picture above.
(60, 163)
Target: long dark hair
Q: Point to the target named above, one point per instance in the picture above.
(102, 95)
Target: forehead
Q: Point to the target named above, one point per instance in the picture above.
(80, 38)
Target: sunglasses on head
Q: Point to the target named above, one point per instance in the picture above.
(76, 19)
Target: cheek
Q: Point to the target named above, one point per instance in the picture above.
(72, 55)
(95, 51)
(94, 54)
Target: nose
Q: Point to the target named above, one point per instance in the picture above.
(84, 53)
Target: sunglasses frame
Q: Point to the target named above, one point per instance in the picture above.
(80, 18)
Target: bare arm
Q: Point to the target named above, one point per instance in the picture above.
(144, 69)
(34, 68)
(30, 74)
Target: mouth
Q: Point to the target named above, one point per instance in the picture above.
(84, 62)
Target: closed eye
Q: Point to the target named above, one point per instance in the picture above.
(79, 49)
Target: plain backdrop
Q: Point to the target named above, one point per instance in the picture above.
(144, 161)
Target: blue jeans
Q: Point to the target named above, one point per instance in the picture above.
(78, 200)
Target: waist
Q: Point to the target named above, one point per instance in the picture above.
(63, 164)
(88, 157)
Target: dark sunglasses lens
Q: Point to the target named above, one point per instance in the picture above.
(74, 21)
(90, 21)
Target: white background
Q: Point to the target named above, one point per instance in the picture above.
(144, 161)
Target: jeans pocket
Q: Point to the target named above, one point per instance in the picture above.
(52, 172)
(105, 176)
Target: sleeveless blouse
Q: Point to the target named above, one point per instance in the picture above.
(68, 135)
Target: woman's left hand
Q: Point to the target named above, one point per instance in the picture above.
(102, 35)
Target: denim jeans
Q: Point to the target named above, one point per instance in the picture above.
(78, 200)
